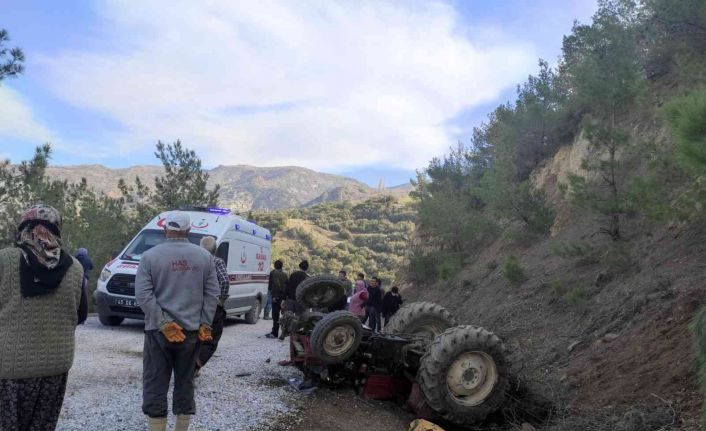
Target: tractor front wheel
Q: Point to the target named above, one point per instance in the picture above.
(336, 337)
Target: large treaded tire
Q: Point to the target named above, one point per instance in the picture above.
(320, 291)
(348, 337)
(425, 319)
(435, 368)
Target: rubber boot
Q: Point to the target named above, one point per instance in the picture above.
(157, 424)
(182, 423)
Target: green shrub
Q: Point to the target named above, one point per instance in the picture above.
(581, 252)
(687, 116)
(617, 259)
(448, 268)
(513, 271)
(558, 287)
(345, 234)
(568, 291)
(574, 295)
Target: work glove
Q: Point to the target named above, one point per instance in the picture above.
(173, 332)
(205, 333)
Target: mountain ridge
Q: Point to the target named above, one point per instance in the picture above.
(243, 187)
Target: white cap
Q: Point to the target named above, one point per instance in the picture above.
(177, 220)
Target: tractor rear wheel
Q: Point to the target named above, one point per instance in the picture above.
(423, 319)
(336, 337)
(320, 291)
(464, 375)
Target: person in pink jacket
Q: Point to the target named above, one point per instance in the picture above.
(359, 300)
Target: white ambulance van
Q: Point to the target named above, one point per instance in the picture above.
(244, 246)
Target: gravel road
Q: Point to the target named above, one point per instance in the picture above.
(237, 390)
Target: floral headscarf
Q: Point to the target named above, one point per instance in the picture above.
(43, 263)
(39, 232)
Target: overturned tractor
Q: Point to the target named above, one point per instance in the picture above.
(443, 371)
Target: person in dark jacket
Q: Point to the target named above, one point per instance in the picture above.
(294, 281)
(391, 303)
(208, 347)
(374, 306)
(85, 261)
(276, 286)
(42, 298)
(290, 299)
(342, 304)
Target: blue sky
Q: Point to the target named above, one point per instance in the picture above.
(367, 89)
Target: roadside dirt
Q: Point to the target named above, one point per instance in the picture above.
(343, 410)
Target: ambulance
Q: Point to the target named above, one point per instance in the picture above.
(244, 246)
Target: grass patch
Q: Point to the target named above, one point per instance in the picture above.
(569, 292)
(581, 252)
(513, 271)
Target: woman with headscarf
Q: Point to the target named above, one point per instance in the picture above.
(359, 300)
(42, 299)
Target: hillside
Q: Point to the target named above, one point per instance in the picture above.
(243, 188)
(573, 226)
(370, 236)
(599, 329)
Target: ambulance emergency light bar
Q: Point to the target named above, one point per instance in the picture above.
(212, 210)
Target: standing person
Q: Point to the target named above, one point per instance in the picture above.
(277, 286)
(268, 307)
(359, 300)
(361, 277)
(374, 306)
(391, 303)
(294, 281)
(177, 288)
(42, 301)
(208, 347)
(85, 261)
(342, 304)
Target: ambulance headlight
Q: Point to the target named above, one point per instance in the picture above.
(105, 274)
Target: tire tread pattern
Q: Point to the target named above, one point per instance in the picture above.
(434, 365)
(411, 313)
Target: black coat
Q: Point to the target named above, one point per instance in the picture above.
(375, 297)
(391, 303)
(294, 281)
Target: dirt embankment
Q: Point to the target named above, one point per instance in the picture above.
(602, 334)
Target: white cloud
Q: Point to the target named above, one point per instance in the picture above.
(17, 120)
(321, 84)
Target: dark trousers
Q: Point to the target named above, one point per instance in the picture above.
(374, 319)
(276, 309)
(160, 359)
(208, 348)
(31, 404)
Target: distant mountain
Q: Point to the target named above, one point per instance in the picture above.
(242, 187)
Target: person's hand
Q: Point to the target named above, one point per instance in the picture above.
(205, 333)
(173, 332)
(283, 307)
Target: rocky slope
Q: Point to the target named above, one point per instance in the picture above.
(242, 187)
(603, 334)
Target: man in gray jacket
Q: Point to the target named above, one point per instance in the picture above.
(177, 288)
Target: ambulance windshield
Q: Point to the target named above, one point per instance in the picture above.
(147, 239)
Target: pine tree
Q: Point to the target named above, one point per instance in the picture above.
(602, 65)
(184, 181)
(11, 59)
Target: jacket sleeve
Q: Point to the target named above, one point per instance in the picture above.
(144, 293)
(269, 282)
(211, 291)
